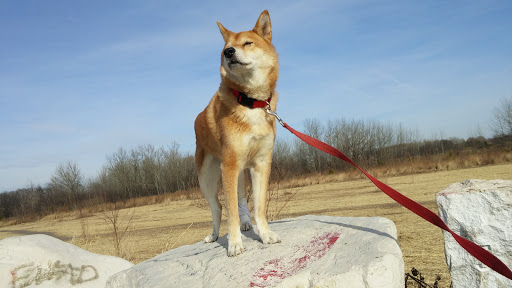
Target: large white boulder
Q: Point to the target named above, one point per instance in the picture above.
(43, 261)
(480, 211)
(316, 251)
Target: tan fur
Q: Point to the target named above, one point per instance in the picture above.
(231, 137)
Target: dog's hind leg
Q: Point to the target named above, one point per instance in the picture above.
(243, 208)
(209, 175)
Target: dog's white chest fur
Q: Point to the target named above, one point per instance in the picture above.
(257, 118)
(261, 138)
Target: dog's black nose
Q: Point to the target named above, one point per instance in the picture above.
(229, 52)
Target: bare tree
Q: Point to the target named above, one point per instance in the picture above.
(501, 124)
(67, 180)
(315, 159)
(476, 132)
(282, 160)
(147, 170)
(120, 224)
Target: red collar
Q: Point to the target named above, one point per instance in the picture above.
(250, 102)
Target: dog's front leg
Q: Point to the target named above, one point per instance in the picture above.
(260, 176)
(231, 168)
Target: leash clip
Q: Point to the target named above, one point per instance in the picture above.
(273, 113)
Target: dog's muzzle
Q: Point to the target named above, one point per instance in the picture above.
(231, 58)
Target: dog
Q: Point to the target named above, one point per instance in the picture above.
(234, 134)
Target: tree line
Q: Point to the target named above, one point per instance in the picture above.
(142, 171)
(368, 143)
(148, 170)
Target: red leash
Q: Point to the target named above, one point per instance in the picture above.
(478, 252)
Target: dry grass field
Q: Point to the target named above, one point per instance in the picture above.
(159, 227)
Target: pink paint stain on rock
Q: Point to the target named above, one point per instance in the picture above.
(275, 270)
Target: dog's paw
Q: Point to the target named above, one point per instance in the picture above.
(246, 222)
(235, 248)
(210, 238)
(270, 238)
(246, 226)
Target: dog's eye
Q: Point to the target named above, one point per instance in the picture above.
(247, 43)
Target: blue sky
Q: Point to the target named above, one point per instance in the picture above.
(78, 80)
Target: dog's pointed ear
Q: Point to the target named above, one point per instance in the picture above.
(225, 32)
(263, 26)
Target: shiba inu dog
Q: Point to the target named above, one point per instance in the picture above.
(233, 133)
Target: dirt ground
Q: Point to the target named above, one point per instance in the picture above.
(157, 228)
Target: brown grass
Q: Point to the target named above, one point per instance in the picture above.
(166, 222)
(413, 165)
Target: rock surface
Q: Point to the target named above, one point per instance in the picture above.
(480, 211)
(316, 251)
(43, 261)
